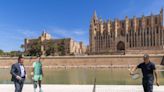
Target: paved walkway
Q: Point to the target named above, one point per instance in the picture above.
(81, 88)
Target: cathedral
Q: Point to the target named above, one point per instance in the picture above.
(135, 35)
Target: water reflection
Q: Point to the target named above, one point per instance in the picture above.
(110, 76)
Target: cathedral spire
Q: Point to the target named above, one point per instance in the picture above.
(95, 15)
(161, 12)
(161, 16)
(44, 32)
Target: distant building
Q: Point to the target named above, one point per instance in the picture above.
(129, 36)
(48, 46)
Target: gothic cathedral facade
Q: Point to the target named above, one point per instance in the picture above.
(132, 35)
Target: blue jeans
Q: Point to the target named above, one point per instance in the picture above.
(148, 84)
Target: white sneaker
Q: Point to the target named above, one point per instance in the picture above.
(34, 90)
(40, 90)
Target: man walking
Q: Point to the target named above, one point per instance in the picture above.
(38, 73)
(18, 74)
(149, 71)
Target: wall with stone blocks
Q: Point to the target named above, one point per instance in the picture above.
(84, 60)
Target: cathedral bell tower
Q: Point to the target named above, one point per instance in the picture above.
(92, 32)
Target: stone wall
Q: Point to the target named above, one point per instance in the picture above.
(84, 60)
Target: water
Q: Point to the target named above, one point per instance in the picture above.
(108, 76)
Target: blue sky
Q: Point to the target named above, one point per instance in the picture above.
(21, 19)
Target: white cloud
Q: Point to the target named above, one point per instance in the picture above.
(75, 34)
(67, 32)
(79, 32)
(28, 33)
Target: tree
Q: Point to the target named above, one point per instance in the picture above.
(15, 53)
(22, 46)
(35, 49)
(1, 52)
(50, 47)
(61, 48)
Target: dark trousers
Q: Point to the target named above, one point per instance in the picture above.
(18, 85)
(148, 85)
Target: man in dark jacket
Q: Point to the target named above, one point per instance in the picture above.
(18, 74)
(149, 71)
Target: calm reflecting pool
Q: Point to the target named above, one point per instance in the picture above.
(115, 76)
